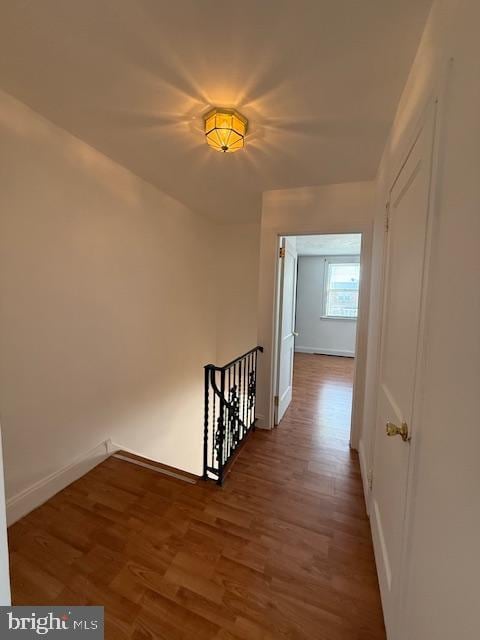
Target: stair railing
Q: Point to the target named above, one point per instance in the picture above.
(230, 400)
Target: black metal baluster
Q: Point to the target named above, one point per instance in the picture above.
(240, 403)
(230, 414)
(214, 423)
(206, 421)
(254, 405)
(226, 417)
(221, 427)
(254, 377)
(233, 422)
(245, 395)
(249, 413)
(244, 398)
(237, 418)
(236, 433)
(245, 408)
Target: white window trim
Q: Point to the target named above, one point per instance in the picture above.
(336, 260)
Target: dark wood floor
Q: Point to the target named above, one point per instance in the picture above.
(283, 550)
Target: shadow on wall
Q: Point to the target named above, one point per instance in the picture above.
(106, 315)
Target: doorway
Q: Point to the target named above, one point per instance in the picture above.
(317, 306)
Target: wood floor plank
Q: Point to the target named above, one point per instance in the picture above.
(282, 552)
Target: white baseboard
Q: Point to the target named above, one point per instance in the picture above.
(326, 352)
(146, 465)
(365, 474)
(38, 493)
(118, 447)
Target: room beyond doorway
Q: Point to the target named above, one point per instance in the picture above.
(317, 303)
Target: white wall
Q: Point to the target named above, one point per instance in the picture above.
(107, 306)
(443, 563)
(338, 208)
(318, 334)
(236, 281)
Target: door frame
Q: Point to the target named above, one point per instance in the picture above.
(361, 325)
(278, 303)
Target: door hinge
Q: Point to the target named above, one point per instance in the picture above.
(387, 217)
(370, 479)
(282, 252)
(275, 401)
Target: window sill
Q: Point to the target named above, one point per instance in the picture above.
(338, 318)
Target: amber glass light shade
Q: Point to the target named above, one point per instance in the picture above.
(225, 130)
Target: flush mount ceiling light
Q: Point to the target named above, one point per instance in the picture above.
(225, 130)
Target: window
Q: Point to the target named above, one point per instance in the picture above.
(341, 289)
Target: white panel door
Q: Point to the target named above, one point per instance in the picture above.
(401, 334)
(286, 329)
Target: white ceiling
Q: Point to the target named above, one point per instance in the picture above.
(319, 81)
(345, 244)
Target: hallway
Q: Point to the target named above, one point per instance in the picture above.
(283, 550)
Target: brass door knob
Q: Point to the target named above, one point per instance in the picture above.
(395, 430)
